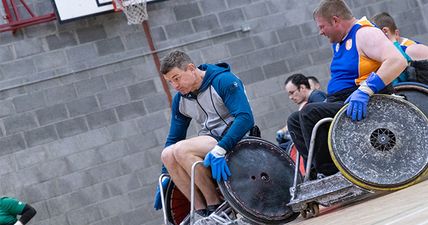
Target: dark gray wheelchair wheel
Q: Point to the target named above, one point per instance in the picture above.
(416, 93)
(258, 189)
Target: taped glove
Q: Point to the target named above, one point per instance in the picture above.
(215, 159)
(358, 100)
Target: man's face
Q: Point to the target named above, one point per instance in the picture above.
(183, 81)
(328, 28)
(295, 93)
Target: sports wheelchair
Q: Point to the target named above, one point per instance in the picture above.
(389, 151)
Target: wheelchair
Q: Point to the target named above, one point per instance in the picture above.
(388, 152)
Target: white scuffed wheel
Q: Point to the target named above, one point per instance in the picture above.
(312, 210)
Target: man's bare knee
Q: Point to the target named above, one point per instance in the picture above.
(168, 158)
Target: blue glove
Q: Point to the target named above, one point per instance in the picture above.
(215, 159)
(358, 100)
(357, 108)
(280, 136)
(158, 200)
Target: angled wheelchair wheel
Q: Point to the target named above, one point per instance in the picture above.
(388, 150)
(177, 205)
(416, 93)
(258, 189)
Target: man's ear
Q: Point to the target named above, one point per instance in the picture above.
(385, 30)
(335, 20)
(397, 33)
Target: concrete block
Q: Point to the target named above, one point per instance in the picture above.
(41, 191)
(18, 68)
(232, 16)
(109, 46)
(7, 164)
(109, 221)
(120, 78)
(238, 63)
(265, 39)
(111, 98)
(209, 6)
(51, 114)
(94, 139)
(289, 33)
(83, 160)
(135, 144)
(186, 11)
(205, 23)
(60, 94)
(139, 90)
(156, 102)
(298, 62)
(106, 171)
(161, 16)
(31, 156)
(236, 3)
(6, 108)
(139, 197)
(41, 135)
(28, 47)
(158, 34)
(252, 11)
(137, 216)
(20, 122)
(81, 52)
(215, 54)
(84, 215)
(74, 181)
(115, 206)
(251, 76)
(135, 41)
(90, 86)
(178, 30)
(275, 69)
(131, 110)
(40, 30)
(61, 40)
(93, 33)
(323, 55)
(152, 121)
(101, 119)
(49, 61)
(122, 130)
(6, 53)
(82, 106)
(239, 47)
(262, 57)
(307, 44)
(71, 127)
(309, 29)
(112, 151)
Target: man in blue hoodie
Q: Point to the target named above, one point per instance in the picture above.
(215, 98)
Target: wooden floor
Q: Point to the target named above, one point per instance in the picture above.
(405, 207)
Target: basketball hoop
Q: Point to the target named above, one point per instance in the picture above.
(135, 10)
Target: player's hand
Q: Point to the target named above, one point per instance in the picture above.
(219, 169)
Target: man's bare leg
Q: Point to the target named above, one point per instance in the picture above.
(180, 177)
(195, 149)
(180, 158)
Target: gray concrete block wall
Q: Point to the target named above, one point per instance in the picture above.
(82, 124)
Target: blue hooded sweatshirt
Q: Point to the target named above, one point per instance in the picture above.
(220, 106)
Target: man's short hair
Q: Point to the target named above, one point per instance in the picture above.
(329, 8)
(177, 59)
(314, 79)
(298, 79)
(383, 19)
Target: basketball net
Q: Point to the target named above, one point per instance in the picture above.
(135, 10)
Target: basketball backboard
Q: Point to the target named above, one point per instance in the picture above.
(68, 10)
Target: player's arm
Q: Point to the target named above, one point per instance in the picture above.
(373, 43)
(417, 52)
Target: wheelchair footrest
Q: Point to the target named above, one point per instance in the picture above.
(327, 191)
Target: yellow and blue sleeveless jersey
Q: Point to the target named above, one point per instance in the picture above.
(349, 68)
